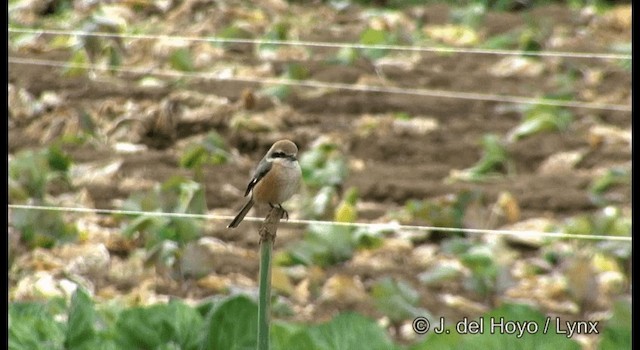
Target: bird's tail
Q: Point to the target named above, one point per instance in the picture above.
(236, 221)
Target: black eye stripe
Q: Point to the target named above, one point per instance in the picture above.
(280, 154)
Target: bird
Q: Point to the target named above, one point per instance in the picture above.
(275, 179)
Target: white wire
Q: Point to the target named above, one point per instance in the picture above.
(565, 54)
(390, 226)
(337, 86)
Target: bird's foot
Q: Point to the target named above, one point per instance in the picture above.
(285, 213)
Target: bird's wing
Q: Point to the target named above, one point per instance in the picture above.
(262, 169)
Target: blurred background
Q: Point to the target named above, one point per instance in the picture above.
(482, 147)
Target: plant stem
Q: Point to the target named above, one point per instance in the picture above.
(267, 238)
(264, 304)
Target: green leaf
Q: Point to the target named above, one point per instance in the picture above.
(344, 332)
(471, 15)
(30, 171)
(397, 300)
(323, 245)
(57, 159)
(280, 92)
(347, 55)
(282, 333)
(501, 41)
(180, 59)
(617, 330)
(80, 324)
(296, 71)
(76, 64)
(614, 176)
(320, 203)
(368, 238)
(439, 274)
(541, 118)
(174, 324)
(211, 150)
(194, 157)
(495, 160)
(33, 327)
(233, 325)
(41, 228)
(278, 31)
(375, 37)
(175, 195)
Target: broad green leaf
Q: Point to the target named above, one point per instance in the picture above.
(281, 334)
(57, 159)
(80, 323)
(375, 37)
(541, 118)
(77, 64)
(278, 91)
(233, 325)
(278, 31)
(155, 326)
(397, 300)
(41, 228)
(347, 55)
(180, 59)
(323, 245)
(32, 327)
(344, 332)
(617, 330)
(439, 274)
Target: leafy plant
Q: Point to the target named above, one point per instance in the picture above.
(30, 175)
(442, 212)
(91, 49)
(397, 300)
(346, 210)
(325, 245)
(608, 221)
(541, 118)
(623, 48)
(613, 177)
(177, 195)
(346, 56)
(163, 326)
(324, 169)
(33, 326)
(617, 330)
(42, 228)
(293, 71)
(507, 40)
(30, 172)
(277, 32)
(212, 150)
(494, 161)
(180, 59)
(344, 332)
(231, 32)
(376, 37)
(471, 15)
(480, 260)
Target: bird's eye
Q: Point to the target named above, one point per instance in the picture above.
(278, 154)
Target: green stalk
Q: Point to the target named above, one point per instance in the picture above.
(264, 299)
(267, 238)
